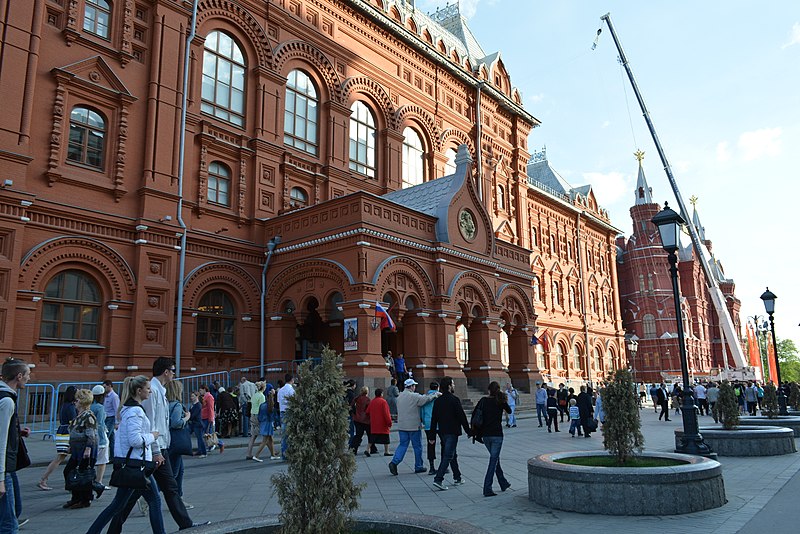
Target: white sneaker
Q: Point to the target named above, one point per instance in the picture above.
(274, 457)
(212, 448)
(143, 506)
(256, 459)
(440, 485)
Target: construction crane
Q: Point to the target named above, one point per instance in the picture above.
(728, 329)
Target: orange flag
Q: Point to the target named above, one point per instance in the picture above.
(772, 358)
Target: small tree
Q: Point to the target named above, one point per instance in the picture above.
(726, 410)
(769, 404)
(317, 492)
(794, 395)
(622, 430)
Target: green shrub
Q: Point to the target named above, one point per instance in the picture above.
(769, 404)
(622, 430)
(726, 410)
(317, 493)
(794, 396)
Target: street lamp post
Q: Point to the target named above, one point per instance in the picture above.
(769, 305)
(633, 348)
(669, 225)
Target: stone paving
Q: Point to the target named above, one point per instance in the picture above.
(225, 486)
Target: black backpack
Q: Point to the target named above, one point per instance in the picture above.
(476, 422)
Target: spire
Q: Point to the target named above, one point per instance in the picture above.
(643, 193)
(701, 231)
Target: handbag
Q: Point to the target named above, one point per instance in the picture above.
(180, 441)
(211, 440)
(23, 458)
(80, 478)
(131, 472)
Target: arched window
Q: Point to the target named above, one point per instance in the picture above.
(298, 198)
(413, 159)
(649, 326)
(87, 137)
(300, 118)
(450, 165)
(504, 348)
(223, 78)
(559, 357)
(596, 359)
(97, 18)
(216, 319)
(572, 297)
(556, 294)
(534, 237)
(462, 344)
(362, 139)
(501, 197)
(576, 357)
(71, 310)
(219, 184)
(540, 356)
(537, 291)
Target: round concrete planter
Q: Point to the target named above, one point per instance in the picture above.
(388, 522)
(691, 487)
(785, 421)
(747, 440)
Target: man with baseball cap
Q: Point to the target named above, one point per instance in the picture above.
(409, 423)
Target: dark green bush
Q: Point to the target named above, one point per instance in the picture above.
(769, 404)
(622, 430)
(726, 410)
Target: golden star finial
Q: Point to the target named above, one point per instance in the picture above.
(639, 155)
(693, 200)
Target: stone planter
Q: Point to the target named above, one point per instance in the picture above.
(388, 522)
(785, 421)
(747, 440)
(691, 487)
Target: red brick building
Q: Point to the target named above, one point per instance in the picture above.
(331, 124)
(648, 307)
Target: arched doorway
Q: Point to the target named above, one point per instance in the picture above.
(310, 334)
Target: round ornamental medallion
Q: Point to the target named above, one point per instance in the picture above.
(466, 223)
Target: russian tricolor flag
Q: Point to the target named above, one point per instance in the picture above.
(386, 320)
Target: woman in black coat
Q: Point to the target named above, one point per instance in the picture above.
(585, 409)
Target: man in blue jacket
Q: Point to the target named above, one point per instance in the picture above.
(425, 414)
(447, 419)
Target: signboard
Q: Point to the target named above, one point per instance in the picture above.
(351, 334)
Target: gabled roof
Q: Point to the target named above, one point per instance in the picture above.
(542, 172)
(451, 20)
(425, 197)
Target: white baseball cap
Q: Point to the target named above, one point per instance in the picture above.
(410, 382)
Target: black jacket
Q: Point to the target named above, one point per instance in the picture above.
(585, 404)
(448, 415)
(492, 416)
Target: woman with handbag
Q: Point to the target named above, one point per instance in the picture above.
(266, 418)
(132, 446)
(180, 444)
(79, 472)
(66, 415)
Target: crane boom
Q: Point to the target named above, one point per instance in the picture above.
(717, 297)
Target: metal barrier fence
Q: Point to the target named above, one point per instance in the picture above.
(193, 382)
(35, 408)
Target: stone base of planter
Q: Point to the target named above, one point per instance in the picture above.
(747, 440)
(785, 421)
(384, 522)
(691, 487)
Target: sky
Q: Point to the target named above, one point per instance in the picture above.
(721, 80)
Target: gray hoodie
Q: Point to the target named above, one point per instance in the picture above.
(6, 412)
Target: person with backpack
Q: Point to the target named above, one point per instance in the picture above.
(447, 420)
(491, 432)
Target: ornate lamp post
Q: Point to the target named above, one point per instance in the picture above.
(769, 305)
(669, 225)
(633, 348)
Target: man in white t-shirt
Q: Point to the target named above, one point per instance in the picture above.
(702, 401)
(283, 405)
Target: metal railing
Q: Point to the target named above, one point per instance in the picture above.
(36, 407)
(193, 382)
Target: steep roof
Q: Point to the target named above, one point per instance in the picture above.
(643, 193)
(425, 197)
(451, 20)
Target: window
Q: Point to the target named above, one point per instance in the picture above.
(537, 292)
(596, 359)
(87, 134)
(462, 344)
(552, 244)
(540, 356)
(556, 295)
(300, 118)
(362, 140)
(71, 310)
(576, 356)
(534, 238)
(223, 78)
(216, 319)
(413, 159)
(641, 283)
(572, 297)
(649, 326)
(504, 348)
(559, 357)
(450, 166)
(96, 17)
(298, 198)
(501, 198)
(219, 184)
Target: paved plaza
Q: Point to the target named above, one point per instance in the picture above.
(762, 492)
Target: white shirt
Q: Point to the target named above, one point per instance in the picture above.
(283, 396)
(700, 391)
(157, 409)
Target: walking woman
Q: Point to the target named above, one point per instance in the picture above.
(361, 420)
(256, 401)
(67, 414)
(83, 447)
(493, 407)
(133, 435)
(178, 419)
(266, 427)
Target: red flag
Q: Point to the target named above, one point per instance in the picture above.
(772, 358)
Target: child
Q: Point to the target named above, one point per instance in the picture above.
(574, 418)
(552, 410)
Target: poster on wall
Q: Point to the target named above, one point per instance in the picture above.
(351, 334)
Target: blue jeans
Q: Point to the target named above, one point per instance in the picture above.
(416, 442)
(512, 417)
(197, 430)
(493, 445)
(284, 438)
(118, 505)
(449, 458)
(8, 506)
(111, 421)
(176, 460)
(541, 411)
(17, 495)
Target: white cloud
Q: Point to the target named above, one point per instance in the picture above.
(760, 143)
(536, 98)
(723, 152)
(682, 166)
(794, 38)
(605, 124)
(608, 187)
